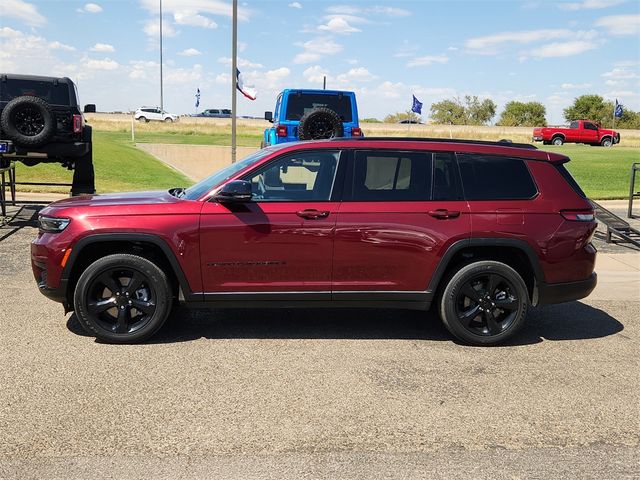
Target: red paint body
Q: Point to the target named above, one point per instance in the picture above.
(580, 131)
(357, 247)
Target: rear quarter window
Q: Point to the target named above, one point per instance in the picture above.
(489, 177)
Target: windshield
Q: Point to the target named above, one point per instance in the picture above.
(199, 189)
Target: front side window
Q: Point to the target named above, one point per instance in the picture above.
(391, 176)
(489, 177)
(297, 177)
(590, 126)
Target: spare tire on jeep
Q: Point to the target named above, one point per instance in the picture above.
(28, 121)
(320, 123)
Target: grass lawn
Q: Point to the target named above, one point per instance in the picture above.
(119, 166)
(603, 173)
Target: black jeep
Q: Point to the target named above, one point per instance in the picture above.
(41, 121)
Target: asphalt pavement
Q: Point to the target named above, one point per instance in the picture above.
(319, 394)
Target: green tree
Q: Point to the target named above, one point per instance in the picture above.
(399, 116)
(471, 111)
(479, 112)
(448, 112)
(521, 114)
(590, 107)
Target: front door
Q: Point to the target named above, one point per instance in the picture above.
(589, 134)
(400, 211)
(282, 241)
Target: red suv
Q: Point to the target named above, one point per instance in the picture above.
(480, 230)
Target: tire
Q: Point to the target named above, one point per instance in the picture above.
(473, 314)
(168, 120)
(113, 317)
(606, 142)
(143, 120)
(546, 142)
(319, 124)
(28, 121)
(5, 162)
(557, 141)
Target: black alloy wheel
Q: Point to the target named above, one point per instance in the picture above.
(487, 304)
(484, 303)
(122, 298)
(28, 121)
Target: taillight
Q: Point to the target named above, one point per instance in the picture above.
(77, 123)
(356, 132)
(281, 131)
(578, 215)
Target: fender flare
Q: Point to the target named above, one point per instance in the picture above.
(484, 242)
(97, 238)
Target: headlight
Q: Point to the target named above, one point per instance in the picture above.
(52, 224)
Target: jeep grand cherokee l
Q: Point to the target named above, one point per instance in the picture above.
(477, 230)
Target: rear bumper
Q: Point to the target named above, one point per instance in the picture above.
(550, 293)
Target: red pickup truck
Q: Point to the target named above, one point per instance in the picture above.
(579, 131)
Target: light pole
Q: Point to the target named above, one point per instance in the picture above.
(161, 88)
(234, 78)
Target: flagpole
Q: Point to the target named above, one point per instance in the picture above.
(234, 76)
(161, 92)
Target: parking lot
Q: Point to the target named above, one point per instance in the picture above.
(319, 394)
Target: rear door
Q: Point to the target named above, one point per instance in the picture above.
(400, 212)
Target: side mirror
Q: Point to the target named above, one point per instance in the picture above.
(90, 108)
(268, 116)
(234, 191)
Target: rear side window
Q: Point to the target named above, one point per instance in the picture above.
(298, 104)
(570, 180)
(488, 177)
(574, 125)
(391, 176)
(54, 94)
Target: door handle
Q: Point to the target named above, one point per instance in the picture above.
(442, 214)
(313, 214)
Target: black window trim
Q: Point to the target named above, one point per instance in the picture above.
(511, 157)
(336, 190)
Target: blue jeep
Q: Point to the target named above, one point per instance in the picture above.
(312, 115)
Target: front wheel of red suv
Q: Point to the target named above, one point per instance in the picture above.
(122, 298)
(484, 303)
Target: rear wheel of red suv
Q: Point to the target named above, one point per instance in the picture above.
(484, 303)
(122, 298)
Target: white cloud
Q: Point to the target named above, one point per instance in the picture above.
(355, 76)
(190, 52)
(427, 60)
(193, 19)
(388, 11)
(590, 4)
(182, 76)
(620, 25)
(338, 25)
(23, 11)
(295, 5)
(143, 69)
(152, 28)
(376, 10)
(105, 64)
(564, 49)
(315, 74)
(90, 8)
(61, 46)
(317, 48)
(212, 7)
(573, 86)
(621, 73)
(242, 62)
(102, 47)
(615, 83)
(491, 41)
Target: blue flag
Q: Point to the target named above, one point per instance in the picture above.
(198, 98)
(417, 106)
(618, 111)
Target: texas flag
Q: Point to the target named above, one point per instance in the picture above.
(248, 91)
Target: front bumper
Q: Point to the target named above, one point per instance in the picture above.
(536, 138)
(550, 293)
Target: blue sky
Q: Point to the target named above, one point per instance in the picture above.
(386, 51)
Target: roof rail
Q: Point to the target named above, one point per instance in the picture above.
(500, 143)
